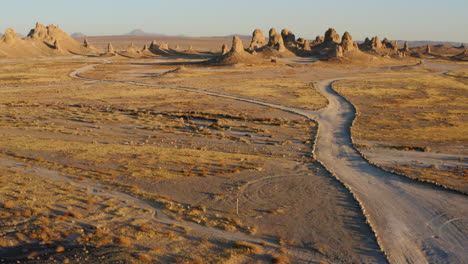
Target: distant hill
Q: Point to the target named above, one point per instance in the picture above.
(140, 32)
(78, 35)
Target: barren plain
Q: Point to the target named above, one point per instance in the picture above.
(164, 158)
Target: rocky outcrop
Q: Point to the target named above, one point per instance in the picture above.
(258, 40)
(224, 49)
(39, 32)
(428, 49)
(347, 43)
(318, 40)
(164, 46)
(110, 48)
(339, 51)
(271, 34)
(331, 36)
(462, 56)
(86, 43)
(406, 47)
(237, 45)
(306, 45)
(57, 45)
(376, 44)
(48, 34)
(288, 37)
(9, 37)
(41, 41)
(276, 40)
(392, 45)
(237, 55)
(154, 45)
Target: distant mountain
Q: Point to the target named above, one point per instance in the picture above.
(418, 43)
(140, 32)
(78, 35)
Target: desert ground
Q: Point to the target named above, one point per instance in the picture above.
(189, 155)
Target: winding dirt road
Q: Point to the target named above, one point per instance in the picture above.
(414, 222)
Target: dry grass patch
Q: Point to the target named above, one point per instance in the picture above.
(37, 72)
(426, 112)
(408, 111)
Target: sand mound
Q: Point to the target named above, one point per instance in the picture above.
(161, 49)
(237, 55)
(190, 50)
(355, 56)
(462, 56)
(131, 52)
(269, 52)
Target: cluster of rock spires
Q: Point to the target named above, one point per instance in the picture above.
(385, 47)
(285, 44)
(329, 46)
(51, 40)
(42, 41)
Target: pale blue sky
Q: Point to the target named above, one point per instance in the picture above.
(396, 19)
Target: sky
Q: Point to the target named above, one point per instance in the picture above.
(396, 19)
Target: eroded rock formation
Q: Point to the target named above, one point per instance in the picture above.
(258, 40)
